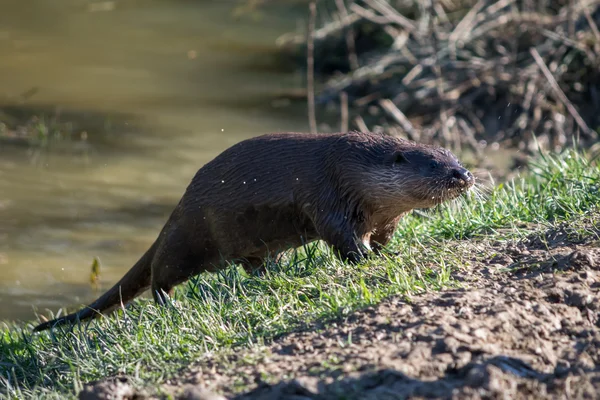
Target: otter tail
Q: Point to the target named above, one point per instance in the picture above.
(134, 283)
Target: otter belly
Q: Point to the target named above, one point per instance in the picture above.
(266, 230)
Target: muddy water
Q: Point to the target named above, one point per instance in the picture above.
(190, 79)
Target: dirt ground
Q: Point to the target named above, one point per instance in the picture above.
(525, 324)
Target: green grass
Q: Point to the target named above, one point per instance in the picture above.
(229, 308)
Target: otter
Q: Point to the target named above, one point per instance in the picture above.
(278, 191)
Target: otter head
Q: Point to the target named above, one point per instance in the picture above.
(411, 175)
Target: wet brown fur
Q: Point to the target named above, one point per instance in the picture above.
(278, 191)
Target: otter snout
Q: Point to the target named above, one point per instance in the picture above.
(462, 177)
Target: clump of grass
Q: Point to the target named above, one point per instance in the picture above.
(37, 131)
(230, 308)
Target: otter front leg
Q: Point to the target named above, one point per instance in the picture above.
(351, 250)
(349, 242)
(381, 236)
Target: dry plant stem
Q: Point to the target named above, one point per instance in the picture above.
(571, 19)
(360, 124)
(470, 138)
(412, 74)
(515, 19)
(352, 57)
(388, 11)
(321, 33)
(559, 93)
(466, 24)
(439, 11)
(438, 73)
(369, 15)
(310, 67)
(592, 24)
(399, 116)
(514, 55)
(566, 40)
(344, 111)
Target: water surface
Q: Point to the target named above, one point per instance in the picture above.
(187, 79)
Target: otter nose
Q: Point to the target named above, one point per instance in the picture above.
(462, 175)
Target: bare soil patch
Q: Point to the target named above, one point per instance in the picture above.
(524, 324)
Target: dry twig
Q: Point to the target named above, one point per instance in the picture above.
(310, 67)
(559, 93)
(352, 58)
(344, 108)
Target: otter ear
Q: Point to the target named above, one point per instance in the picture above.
(399, 158)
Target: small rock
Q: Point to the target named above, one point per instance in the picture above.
(116, 388)
(581, 260)
(480, 333)
(309, 383)
(197, 392)
(448, 345)
(477, 376)
(580, 299)
(501, 260)
(290, 349)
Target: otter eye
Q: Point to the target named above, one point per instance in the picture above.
(434, 164)
(399, 158)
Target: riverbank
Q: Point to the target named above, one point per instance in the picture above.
(216, 314)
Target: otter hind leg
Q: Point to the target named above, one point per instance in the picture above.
(258, 263)
(253, 265)
(174, 263)
(167, 275)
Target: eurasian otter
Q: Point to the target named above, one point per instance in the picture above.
(278, 191)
